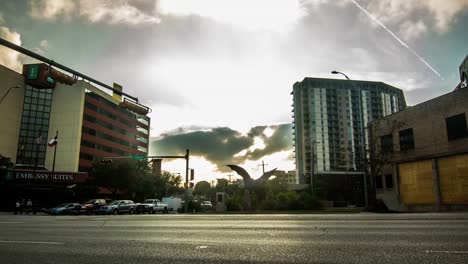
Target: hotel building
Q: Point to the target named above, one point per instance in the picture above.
(90, 124)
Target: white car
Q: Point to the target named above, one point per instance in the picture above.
(207, 205)
(151, 206)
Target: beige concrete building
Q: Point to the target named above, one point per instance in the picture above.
(419, 156)
(286, 177)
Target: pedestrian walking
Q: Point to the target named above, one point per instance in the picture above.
(22, 206)
(17, 207)
(28, 206)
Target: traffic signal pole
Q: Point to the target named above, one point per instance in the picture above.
(186, 180)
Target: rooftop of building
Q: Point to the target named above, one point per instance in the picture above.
(455, 93)
(309, 79)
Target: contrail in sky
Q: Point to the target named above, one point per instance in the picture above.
(396, 37)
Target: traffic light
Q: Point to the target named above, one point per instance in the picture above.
(192, 174)
(190, 185)
(106, 161)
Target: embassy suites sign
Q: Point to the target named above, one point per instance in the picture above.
(49, 177)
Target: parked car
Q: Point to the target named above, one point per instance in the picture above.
(118, 207)
(206, 205)
(66, 208)
(151, 206)
(93, 205)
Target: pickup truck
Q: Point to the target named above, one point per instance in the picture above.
(151, 206)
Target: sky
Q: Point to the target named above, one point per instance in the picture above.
(218, 74)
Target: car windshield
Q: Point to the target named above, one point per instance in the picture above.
(115, 203)
(62, 205)
(148, 201)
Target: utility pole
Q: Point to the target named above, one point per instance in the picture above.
(229, 175)
(263, 166)
(186, 180)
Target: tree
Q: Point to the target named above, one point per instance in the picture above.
(168, 184)
(5, 162)
(116, 175)
(203, 188)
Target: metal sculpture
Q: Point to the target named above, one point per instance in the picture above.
(250, 183)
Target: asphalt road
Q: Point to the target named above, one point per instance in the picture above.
(340, 238)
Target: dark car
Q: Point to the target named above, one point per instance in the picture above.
(66, 208)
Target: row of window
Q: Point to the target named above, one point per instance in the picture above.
(117, 118)
(455, 125)
(110, 104)
(110, 149)
(109, 115)
(104, 148)
(99, 134)
(103, 123)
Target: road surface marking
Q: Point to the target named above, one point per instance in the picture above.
(201, 247)
(10, 222)
(446, 252)
(31, 242)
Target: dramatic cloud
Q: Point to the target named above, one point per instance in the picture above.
(8, 57)
(51, 9)
(42, 48)
(222, 146)
(120, 11)
(404, 14)
(275, 15)
(133, 12)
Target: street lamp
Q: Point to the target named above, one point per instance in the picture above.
(337, 72)
(363, 142)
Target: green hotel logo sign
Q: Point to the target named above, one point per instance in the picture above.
(33, 72)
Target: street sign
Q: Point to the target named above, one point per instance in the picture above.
(139, 157)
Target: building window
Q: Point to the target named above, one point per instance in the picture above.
(386, 144)
(406, 139)
(34, 126)
(456, 127)
(388, 181)
(378, 182)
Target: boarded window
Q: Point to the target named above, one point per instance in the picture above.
(456, 127)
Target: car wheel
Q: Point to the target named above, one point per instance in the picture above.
(131, 211)
(151, 211)
(115, 212)
(165, 210)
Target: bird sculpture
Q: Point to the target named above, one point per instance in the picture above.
(250, 183)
